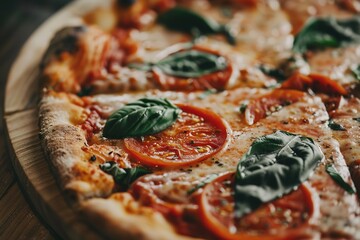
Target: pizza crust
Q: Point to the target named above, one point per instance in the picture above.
(121, 217)
(62, 142)
(113, 216)
(83, 183)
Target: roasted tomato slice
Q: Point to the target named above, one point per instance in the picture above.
(280, 219)
(196, 135)
(215, 80)
(316, 82)
(261, 107)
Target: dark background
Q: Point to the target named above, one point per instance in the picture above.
(18, 19)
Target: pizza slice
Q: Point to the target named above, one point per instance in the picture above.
(89, 60)
(206, 119)
(122, 169)
(344, 123)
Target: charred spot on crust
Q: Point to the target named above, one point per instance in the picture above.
(65, 40)
(126, 3)
(93, 158)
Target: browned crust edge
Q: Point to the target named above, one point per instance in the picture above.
(119, 216)
(62, 142)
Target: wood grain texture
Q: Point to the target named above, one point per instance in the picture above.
(18, 221)
(6, 173)
(21, 127)
(35, 176)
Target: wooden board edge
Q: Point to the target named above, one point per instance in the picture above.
(62, 219)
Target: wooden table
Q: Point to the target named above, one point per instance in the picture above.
(18, 19)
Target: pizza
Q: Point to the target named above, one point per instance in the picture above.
(232, 119)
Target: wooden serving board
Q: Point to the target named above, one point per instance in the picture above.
(21, 127)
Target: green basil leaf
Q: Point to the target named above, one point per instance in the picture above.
(143, 117)
(243, 106)
(327, 32)
(357, 119)
(286, 68)
(185, 20)
(278, 74)
(187, 64)
(335, 126)
(123, 176)
(274, 165)
(85, 91)
(356, 72)
(191, 64)
(334, 174)
(206, 180)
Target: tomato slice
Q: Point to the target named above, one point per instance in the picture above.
(216, 80)
(196, 135)
(261, 107)
(280, 219)
(316, 82)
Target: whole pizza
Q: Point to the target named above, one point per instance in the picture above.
(232, 119)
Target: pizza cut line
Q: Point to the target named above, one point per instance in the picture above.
(208, 119)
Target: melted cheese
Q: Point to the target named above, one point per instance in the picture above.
(350, 138)
(307, 117)
(336, 63)
(299, 11)
(264, 36)
(261, 38)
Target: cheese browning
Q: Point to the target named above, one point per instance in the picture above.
(236, 77)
